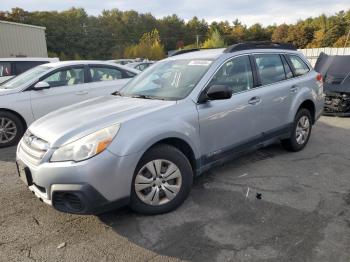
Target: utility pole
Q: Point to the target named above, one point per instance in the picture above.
(197, 40)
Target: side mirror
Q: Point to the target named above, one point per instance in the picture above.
(218, 92)
(41, 85)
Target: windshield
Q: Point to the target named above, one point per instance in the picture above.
(26, 77)
(167, 80)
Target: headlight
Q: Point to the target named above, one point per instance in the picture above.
(87, 146)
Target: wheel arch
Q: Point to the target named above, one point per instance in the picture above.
(309, 105)
(181, 145)
(18, 115)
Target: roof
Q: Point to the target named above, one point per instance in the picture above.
(26, 25)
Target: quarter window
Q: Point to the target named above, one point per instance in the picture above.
(105, 74)
(66, 77)
(236, 73)
(270, 68)
(299, 65)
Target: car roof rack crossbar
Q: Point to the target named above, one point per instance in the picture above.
(184, 51)
(259, 45)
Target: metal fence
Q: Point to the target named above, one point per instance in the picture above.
(313, 53)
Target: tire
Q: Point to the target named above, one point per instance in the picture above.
(11, 129)
(294, 143)
(172, 185)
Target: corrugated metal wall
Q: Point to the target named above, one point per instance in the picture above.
(22, 40)
(313, 53)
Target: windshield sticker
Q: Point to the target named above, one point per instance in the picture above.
(200, 62)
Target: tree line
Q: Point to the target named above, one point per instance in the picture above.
(73, 34)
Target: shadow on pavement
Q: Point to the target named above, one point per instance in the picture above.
(218, 222)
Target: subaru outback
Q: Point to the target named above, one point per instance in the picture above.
(143, 146)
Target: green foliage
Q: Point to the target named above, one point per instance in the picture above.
(149, 47)
(215, 40)
(73, 34)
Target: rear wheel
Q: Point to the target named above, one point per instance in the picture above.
(11, 129)
(301, 131)
(162, 181)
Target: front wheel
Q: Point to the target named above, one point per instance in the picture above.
(301, 131)
(11, 129)
(162, 181)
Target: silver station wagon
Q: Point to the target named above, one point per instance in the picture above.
(175, 120)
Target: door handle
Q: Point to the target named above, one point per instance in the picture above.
(294, 89)
(81, 93)
(254, 100)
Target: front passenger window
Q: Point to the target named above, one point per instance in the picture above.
(66, 77)
(236, 73)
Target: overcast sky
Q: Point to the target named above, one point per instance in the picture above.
(248, 11)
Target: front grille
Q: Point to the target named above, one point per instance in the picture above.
(33, 148)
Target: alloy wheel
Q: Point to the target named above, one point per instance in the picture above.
(8, 130)
(302, 130)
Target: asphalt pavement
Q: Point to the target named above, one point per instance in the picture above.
(269, 205)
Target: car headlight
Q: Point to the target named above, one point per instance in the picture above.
(87, 146)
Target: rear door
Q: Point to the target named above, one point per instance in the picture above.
(104, 79)
(276, 79)
(67, 87)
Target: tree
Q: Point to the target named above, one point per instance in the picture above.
(215, 40)
(280, 34)
(149, 47)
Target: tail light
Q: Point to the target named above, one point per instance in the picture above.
(319, 79)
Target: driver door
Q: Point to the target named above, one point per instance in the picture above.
(67, 87)
(230, 125)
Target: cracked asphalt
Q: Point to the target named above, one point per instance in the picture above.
(303, 214)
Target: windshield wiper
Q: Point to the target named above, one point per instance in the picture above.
(146, 97)
(116, 93)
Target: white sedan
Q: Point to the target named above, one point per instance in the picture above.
(48, 87)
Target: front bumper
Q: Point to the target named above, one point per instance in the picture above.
(88, 187)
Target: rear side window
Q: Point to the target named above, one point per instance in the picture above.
(270, 68)
(5, 69)
(300, 67)
(21, 67)
(105, 73)
(235, 73)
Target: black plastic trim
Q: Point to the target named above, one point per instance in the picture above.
(206, 162)
(92, 201)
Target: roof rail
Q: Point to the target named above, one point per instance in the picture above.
(184, 51)
(259, 45)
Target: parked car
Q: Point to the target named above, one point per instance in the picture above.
(140, 65)
(10, 67)
(172, 122)
(48, 87)
(122, 61)
(336, 76)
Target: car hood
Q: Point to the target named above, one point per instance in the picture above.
(73, 122)
(4, 91)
